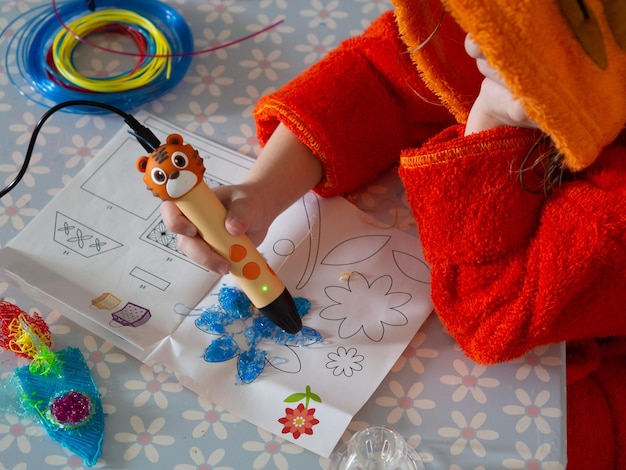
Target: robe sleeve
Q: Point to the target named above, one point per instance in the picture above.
(512, 267)
(356, 108)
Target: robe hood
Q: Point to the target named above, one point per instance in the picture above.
(565, 60)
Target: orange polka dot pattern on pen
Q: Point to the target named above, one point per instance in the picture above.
(251, 270)
(237, 253)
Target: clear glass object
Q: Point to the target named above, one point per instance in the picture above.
(376, 448)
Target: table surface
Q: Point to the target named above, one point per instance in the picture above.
(457, 414)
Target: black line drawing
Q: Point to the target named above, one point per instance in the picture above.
(412, 266)
(344, 361)
(149, 278)
(211, 181)
(237, 332)
(158, 235)
(355, 250)
(284, 247)
(117, 168)
(80, 238)
(131, 315)
(314, 221)
(365, 307)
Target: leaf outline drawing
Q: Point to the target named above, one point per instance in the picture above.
(411, 266)
(314, 220)
(366, 246)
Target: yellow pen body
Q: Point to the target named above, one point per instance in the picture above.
(247, 266)
(174, 172)
(251, 271)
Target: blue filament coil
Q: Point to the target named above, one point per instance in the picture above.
(42, 83)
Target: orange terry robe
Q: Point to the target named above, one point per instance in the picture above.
(511, 268)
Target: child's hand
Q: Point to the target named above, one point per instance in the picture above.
(495, 105)
(284, 171)
(244, 216)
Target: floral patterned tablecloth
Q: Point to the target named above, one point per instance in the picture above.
(457, 414)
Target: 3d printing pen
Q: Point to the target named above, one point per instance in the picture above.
(174, 171)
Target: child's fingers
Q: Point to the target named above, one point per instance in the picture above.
(175, 221)
(200, 252)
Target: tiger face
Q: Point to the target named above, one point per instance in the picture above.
(172, 170)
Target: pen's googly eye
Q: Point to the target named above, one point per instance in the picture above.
(159, 176)
(180, 160)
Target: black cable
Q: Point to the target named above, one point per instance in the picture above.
(144, 136)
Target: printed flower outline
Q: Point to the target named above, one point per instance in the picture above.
(210, 40)
(413, 354)
(405, 403)
(26, 130)
(208, 80)
(536, 361)
(95, 120)
(81, 151)
(247, 142)
(210, 416)
(354, 302)
(533, 411)
(324, 14)
(18, 431)
(316, 48)
(415, 442)
(468, 433)
(155, 384)
(264, 64)
(344, 361)
(33, 169)
(14, 211)
(201, 117)
(256, 335)
(469, 381)
(55, 321)
(144, 439)
(275, 34)
(376, 6)
(221, 10)
(99, 356)
(301, 419)
(530, 460)
(209, 463)
(271, 448)
(282, 4)
(70, 462)
(251, 99)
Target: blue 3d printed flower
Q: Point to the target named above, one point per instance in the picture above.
(243, 334)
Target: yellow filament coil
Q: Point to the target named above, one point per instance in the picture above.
(149, 68)
(24, 339)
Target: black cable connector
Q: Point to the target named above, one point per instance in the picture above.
(144, 136)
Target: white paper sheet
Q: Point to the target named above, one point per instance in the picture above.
(100, 253)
